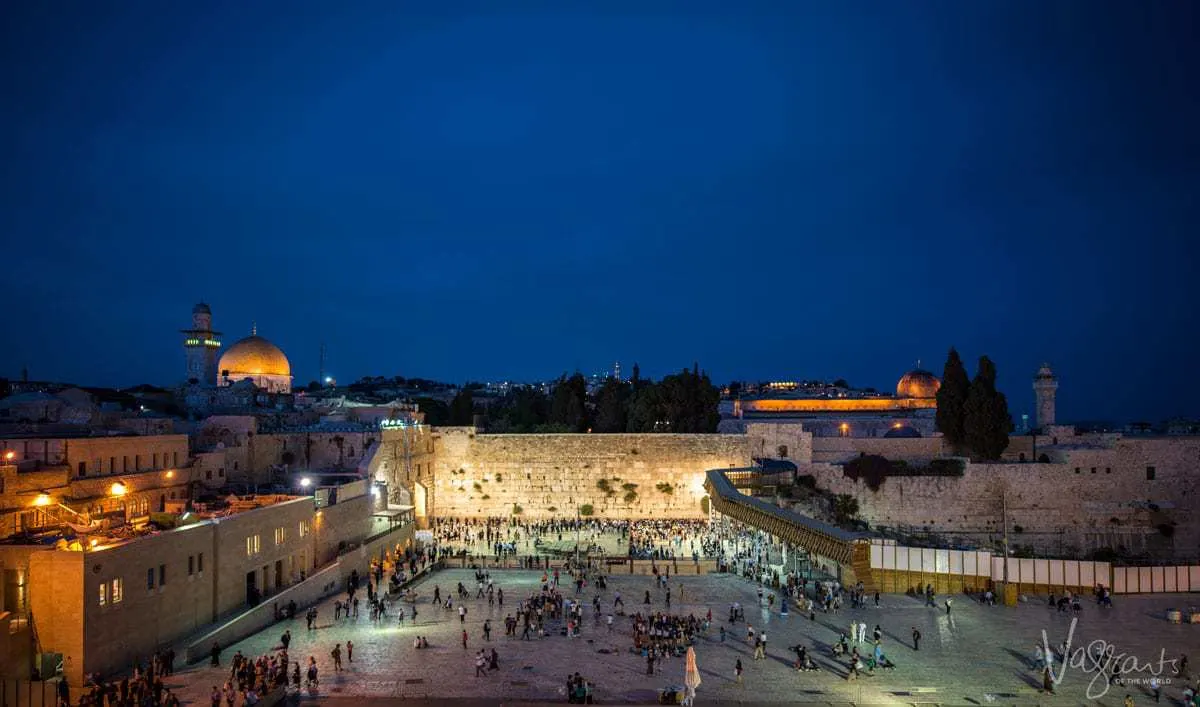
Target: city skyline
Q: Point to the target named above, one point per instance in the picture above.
(770, 190)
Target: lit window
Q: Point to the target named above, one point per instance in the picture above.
(280, 536)
(252, 545)
(117, 592)
(103, 593)
(303, 528)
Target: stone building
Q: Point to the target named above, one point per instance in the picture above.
(105, 601)
(257, 360)
(828, 411)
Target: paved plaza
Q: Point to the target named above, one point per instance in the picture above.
(976, 655)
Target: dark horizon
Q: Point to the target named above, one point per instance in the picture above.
(773, 190)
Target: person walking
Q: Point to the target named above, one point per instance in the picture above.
(480, 665)
(760, 646)
(916, 636)
(336, 654)
(350, 651)
(464, 639)
(737, 671)
(948, 602)
(1155, 687)
(487, 630)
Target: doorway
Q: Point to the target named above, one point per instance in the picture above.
(252, 587)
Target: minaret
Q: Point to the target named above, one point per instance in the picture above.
(202, 344)
(1045, 387)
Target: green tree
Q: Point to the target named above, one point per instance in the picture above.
(646, 410)
(462, 408)
(568, 404)
(437, 413)
(612, 406)
(987, 423)
(952, 401)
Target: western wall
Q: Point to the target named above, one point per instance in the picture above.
(551, 475)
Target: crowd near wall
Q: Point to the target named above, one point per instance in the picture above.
(551, 475)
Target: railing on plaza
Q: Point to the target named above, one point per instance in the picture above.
(28, 693)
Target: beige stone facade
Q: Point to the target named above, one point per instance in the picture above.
(106, 606)
(552, 475)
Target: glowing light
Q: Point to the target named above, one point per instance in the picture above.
(170, 474)
(844, 427)
(305, 482)
(897, 426)
(10, 455)
(118, 489)
(93, 542)
(375, 492)
(43, 499)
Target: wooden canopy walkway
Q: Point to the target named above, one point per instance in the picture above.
(852, 550)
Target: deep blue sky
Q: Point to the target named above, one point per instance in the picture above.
(786, 189)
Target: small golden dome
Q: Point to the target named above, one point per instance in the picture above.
(918, 384)
(254, 356)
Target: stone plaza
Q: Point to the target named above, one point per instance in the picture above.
(976, 654)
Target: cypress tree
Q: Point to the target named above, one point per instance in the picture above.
(952, 400)
(987, 422)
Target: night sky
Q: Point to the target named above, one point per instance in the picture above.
(778, 190)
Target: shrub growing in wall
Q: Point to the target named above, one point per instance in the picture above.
(499, 478)
(586, 510)
(664, 487)
(872, 469)
(517, 510)
(630, 496)
(477, 486)
(704, 505)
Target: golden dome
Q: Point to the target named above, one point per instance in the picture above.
(253, 356)
(918, 384)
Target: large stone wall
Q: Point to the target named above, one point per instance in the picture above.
(1097, 496)
(548, 475)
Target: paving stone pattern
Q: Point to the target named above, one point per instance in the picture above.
(978, 655)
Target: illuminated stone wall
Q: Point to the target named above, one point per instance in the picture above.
(1059, 508)
(548, 475)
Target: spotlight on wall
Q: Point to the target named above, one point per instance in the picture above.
(305, 482)
(117, 489)
(43, 499)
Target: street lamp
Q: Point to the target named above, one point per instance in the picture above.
(305, 482)
(118, 490)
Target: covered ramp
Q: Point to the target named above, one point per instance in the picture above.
(851, 550)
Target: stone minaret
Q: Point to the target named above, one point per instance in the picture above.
(1045, 387)
(202, 345)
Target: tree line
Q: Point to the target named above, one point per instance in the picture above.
(684, 402)
(971, 414)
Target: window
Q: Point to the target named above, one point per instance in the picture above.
(1093, 470)
(124, 464)
(174, 458)
(1077, 470)
(200, 562)
(162, 575)
(208, 475)
(117, 591)
(303, 528)
(221, 472)
(154, 461)
(103, 593)
(150, 578)
(83, 468)
(112, 465)
(252, 545)
(1150, 473)
(280, 536)
(191, 565)
(1108, 470)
